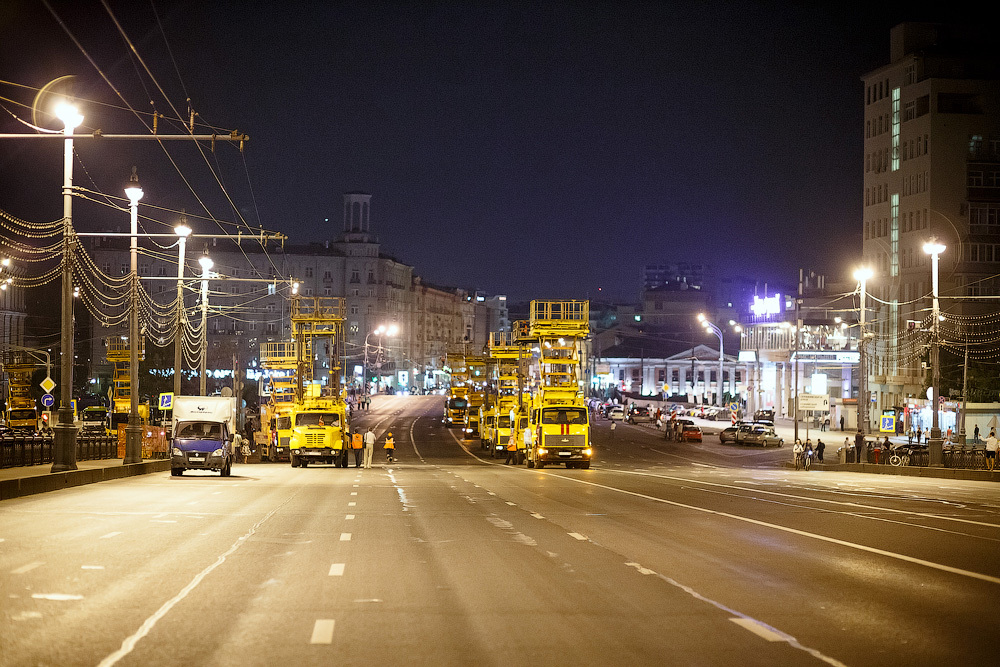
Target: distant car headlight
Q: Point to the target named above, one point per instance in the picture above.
(177, 452)
(217, 452)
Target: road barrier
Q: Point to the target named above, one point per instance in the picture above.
(16, 451)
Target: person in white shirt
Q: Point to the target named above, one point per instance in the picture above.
(369, 447)
(991, 450)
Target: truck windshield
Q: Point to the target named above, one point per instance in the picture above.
(313, 419)
(283, 423)
(457, 403)
(95, 415)
(503, 422)
(198, 430)
(564, 416)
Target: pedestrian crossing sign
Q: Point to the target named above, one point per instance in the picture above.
(167, 400)
(887, 424)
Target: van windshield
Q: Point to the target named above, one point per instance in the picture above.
(198, 431)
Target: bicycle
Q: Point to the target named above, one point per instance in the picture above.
(900, 459)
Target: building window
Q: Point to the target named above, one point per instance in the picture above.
(371, 277)
(327, 291)
(354, 309)
(309, 272)
(355, 276)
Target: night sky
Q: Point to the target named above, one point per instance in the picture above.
(539, 150)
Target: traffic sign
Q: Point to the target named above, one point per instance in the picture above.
(167, 400)
(734, 406)
(47, 385)
(887, 424)
(48, 400)
(820, 402)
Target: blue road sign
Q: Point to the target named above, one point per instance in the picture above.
(48, 400)
(167, 401)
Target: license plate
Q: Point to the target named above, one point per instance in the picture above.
(197, 459)
(565, 454)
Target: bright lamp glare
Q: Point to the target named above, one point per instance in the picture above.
(69, 115)
(932, 247)
(206, 263)
(863, 274)
(182, 231)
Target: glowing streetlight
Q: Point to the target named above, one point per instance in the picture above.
(862, 275)
(206, 266)
(934, 248)
(182, 231)
(133, 432)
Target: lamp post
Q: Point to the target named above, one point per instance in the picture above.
(182, 231)
(206, 266)
(133, 432)
(390, 330)
(711, 328)
(934, 454)
(64, 438)
(862, 275)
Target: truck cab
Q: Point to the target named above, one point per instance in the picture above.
(561, 435)
(454, 411)
(201, 445)
(318, 435)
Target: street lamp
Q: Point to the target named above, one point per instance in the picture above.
(711, 328)
(934, 248)
(133, 432)
(390, 330)
(862, 275)
(182, 231)
(206, 265)
(64, 437)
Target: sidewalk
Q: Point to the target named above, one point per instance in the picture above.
(28, 480)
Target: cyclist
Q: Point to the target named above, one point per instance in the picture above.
(797, 452)
(807, 454)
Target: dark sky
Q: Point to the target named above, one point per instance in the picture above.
(541, 150)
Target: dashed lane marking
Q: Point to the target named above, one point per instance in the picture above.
(578, 536)
(110, 535)
(759, 629)
(537, 515)
(345, 537)
(337, 570)
(91, 567)
(349, 517)
(351, 504)
(322, 631)
(510, 503)
(354, 493)
(58, 597)
(28, 568)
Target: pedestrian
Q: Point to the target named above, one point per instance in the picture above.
(859, 446)
(612, 430)
(389, 447)
(826, 426)
(909, 437)
(819, 450)
(357, 445)
(841, 422)
(797, 451)
(511, 450)
(926, 435)
(991, 450)
(369, 447)
(975, 434)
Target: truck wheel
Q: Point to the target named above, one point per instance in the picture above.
(585, 465)
(295, 461)
(176, 472)
(539, 464)
(343, 459)
(531, 464)
(303, 463)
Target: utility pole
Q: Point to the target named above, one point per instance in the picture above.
(965, 398)
(798, 329)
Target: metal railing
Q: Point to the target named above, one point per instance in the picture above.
(16, 451)
(968, 457)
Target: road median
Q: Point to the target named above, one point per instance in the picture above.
(32, 484)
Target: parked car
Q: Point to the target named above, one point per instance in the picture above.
(728, 434)
(690, 432)
(616, 413)
(761, 435)
(639, 415)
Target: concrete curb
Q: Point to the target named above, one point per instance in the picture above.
(908, 471)
(26, 486)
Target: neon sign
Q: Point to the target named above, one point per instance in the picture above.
(769, 305)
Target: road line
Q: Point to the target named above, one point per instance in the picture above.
(354, 493)
(578, 536)
(510, 503)
(28, 568)
(322, 632)
(110, 535)
(759, 629)
(355, 486)
(794, 531)
(345, 537)
(129, 644)
(336, 570)
(58, 597)
(91, 567)
(352, 504)
(537, 515)
(349, 517)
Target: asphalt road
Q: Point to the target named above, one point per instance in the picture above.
(661, 553)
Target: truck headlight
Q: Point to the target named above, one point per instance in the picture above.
(217, 452)
(587, 452)
(295, 451)
(542, 450)
(177, 452)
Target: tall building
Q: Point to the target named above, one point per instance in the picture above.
(931, 170)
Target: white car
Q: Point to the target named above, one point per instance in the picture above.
(616, 414)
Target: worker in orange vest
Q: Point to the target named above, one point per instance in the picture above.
(389, 447)
(357, 444)
(511, 449)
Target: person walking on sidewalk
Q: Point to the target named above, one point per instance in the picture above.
(975, 435)
(991, 450)
(369, 447)
(357, 444)
(819, 450)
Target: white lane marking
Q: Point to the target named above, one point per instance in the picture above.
(794, 531)
(537, 515)
(759, 629)
(792, 641)
(322, 632)
(355, 486)
(491, 493)
(129, 643)
(162, 521)
(345, 537)
(578, 536)
(369, 600)
(160, 515)
(91, 567)
(640, 568)
(349, 517)
(510, 503)
(215, 493)
(26, 615)
(29, 567)
(336, 570)
(59, 597)
(354, 493)
(110, 535)
(351, 504)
